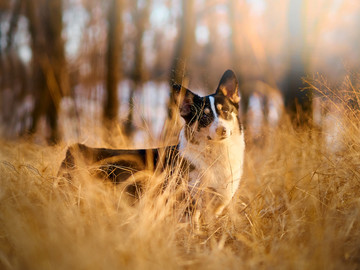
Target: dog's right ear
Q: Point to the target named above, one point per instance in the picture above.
(184, 99)
(229, 87)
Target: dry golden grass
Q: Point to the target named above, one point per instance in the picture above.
(298, 207)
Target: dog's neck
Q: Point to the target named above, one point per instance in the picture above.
(218, 164)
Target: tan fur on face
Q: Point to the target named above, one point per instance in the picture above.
(224, 91)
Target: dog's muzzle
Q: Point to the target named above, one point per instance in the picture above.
(221, 133)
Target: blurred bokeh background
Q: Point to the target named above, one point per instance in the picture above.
(70, 69)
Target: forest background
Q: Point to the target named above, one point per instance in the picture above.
(69, 67)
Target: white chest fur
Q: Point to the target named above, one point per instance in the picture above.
(218, 164)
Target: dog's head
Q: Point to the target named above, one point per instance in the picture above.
(213, 117)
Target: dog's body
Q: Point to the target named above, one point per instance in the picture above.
(117, 165)
(210, 150)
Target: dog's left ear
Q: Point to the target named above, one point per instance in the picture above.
(229, 87)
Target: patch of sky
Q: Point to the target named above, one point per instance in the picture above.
(74, 20)
(224, 30)
(202, 34)
(22, 38)
(336, 5)
(257, 7)
(159, 15)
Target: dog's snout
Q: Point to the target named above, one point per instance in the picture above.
(221, 131)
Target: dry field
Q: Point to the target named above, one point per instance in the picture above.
(298, 207)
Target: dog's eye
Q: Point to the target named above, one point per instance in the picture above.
(205, 116)
(225, 110)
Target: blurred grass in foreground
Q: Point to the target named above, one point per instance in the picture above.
(298, 207)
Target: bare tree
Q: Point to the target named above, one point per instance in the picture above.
(50, 74)
(185, 42)
(138, 75)
(234, 49)
(113, 61)
(15, 74)
(298, 102)
(234, 26)
(13, 22)
(178, 72)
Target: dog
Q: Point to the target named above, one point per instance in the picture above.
(210, 150)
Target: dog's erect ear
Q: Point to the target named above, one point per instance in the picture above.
(229, 86)
(184, 99)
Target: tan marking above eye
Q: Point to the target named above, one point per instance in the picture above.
(224, 91)
(206, 110)
(219, 106)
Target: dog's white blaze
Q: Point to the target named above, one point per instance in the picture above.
(215, 123)
(212, 105)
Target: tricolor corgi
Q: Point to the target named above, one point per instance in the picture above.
(211, 144)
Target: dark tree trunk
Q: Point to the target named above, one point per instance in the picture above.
(298, 102)
(50, 73)
(184, 44)
(15, 75)
(138, 76)
(234, 25)
(141, 19)
(113, 61)
(178, 72)
(13, 22)
(235, 53)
